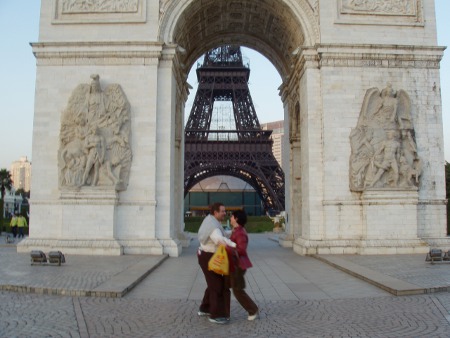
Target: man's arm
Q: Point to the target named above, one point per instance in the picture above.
(218, 238)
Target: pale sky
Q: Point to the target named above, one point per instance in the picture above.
(19, 25)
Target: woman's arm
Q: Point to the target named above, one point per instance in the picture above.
(241, 244)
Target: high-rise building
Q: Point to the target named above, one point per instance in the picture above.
(278, 139)
(21, 174)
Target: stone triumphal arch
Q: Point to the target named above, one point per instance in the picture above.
(362, 102)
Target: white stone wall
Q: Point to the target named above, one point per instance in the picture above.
(343, 93)
(375, 28)
(91, 26)
(347, 71)
(134, 215)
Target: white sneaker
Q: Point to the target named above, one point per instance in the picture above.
(253, 317)
(202, 314)
(218, 320)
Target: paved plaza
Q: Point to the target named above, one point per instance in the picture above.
(158, 296)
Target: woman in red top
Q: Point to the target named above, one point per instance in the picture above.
(241, 263)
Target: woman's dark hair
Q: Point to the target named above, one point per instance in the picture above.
(241, 217)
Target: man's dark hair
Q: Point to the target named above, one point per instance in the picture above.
(215, 207)
(241, 217)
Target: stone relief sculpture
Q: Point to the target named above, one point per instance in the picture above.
(383, 146)
(95, 137)
(102, 6)
(390, 7)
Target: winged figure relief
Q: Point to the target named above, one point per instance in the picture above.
(383, 147)
(95, 137)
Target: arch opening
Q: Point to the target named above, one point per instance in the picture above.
(269, 27)
(276, 30)
(246, 151)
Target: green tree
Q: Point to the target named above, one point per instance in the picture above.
(5, 183)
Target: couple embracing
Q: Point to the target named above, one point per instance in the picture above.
(216, 299)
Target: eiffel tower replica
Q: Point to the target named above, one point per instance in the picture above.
(245, 152)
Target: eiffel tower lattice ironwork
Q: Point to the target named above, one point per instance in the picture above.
(246, 152)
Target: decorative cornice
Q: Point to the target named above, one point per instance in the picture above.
(132, 203)
(303, 58)
(151, 203)
(79, 53)
(362, 56)
(171, 57)
(380, 56)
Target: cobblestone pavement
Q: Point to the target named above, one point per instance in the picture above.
(297, 296)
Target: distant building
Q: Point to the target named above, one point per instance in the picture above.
(12, 203)
(233, 192)
(278, 139)
(21, 174)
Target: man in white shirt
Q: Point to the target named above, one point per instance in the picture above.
(216, 300)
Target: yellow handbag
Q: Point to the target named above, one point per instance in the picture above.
(219, 261)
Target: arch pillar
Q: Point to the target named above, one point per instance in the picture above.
(335, 219)
(293, 205)
(308, 151)
(169, 153)
(302, 91)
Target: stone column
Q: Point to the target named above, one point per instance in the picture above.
(137, 207)
(167, 155)
(292, 168)
(182, 95)
(311, 152)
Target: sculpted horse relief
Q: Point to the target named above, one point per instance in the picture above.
(95, 138)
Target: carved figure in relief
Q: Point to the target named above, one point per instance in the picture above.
(387, 112)
(94, 137)
(360, 143)
(408, 172)
(409, 145)
(72, 157)
(386, 158)
(383, 147)
(95, 150)
(119, 151)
